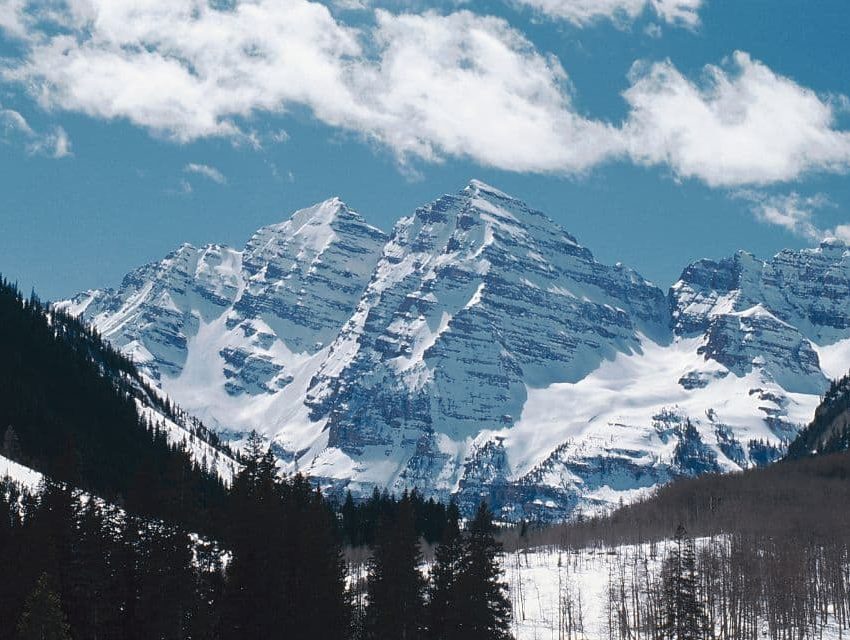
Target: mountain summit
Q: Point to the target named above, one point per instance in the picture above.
(480, 350)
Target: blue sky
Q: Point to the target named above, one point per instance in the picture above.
(656, 131)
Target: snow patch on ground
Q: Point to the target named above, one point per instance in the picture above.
(25, 476)
(540, 578)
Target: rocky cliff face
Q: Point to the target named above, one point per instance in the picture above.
(768, 314)
(157, 308)
(476, 298)
(481, 351)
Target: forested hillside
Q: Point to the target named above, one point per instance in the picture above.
(81, 568)
(69, 407)
(829, 431)
(131, 536)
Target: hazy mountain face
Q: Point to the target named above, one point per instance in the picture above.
(480, 350)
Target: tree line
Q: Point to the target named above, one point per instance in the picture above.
(68, 409)
(85, 568)
(766, 554)
(829, 431)
(730, 587)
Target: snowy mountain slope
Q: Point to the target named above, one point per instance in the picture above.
(165, 302)
(480, 350)
(623, 429)
(783, 309)
(19, 474)
(475, 299)
(236, 335)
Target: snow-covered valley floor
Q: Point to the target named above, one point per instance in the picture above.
(549, 586)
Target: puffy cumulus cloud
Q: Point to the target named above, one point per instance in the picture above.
(794, 213)
(742, 125)
(583, 12)
(205, 170)
(426, 86)
(185, 69)
(15, 130)
(466, 85)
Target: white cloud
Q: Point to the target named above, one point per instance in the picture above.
(184, 69)
(744, 125)
(429, 85)
(466, 85)
(583, 12)
(678, 11)
(13, 123)
(653, 30)
(206, 171)
(61, 143)
(13, 18)
(794, 213)
(54, 144)
(842, 232)
(14, 129)
(426, 86)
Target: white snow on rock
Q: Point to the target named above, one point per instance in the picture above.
(481, 350)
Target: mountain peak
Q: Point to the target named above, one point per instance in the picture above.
(477, 187)
(319, 214)
(833, 245)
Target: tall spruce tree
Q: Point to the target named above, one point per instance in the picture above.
(684, 613)
(254, 575)
(43, 618)
(445, 606)
(317, 601)
(92, 611)
(12, 445)
(487, 608)
(396, 587)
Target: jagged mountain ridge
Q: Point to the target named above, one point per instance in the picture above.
(480, 350)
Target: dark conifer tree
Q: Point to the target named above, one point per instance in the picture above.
(12, 562)
(253, 580)
(684, 613)
(166, 583)
(317, 603)
(52, 531)
(351, 525)
(92, 612)
(43, 618)
(209, 589)
(487, 608)
(12, 445)
(396, 587)
(445, 607)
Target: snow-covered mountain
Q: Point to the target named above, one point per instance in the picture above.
(481, 351)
